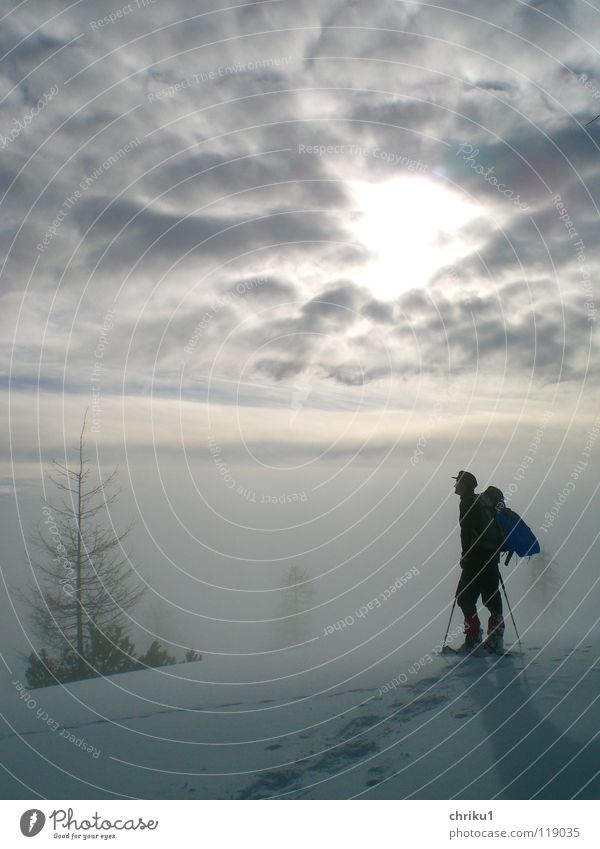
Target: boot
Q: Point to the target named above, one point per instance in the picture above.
(494, 642)
(473, 634)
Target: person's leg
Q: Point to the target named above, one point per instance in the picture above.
(492, 599)
(466, 597)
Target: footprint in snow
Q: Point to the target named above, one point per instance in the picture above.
(357, 725)
(270, 783)
(343, 756)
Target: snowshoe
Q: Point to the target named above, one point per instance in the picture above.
(471, 644)
(494, 644)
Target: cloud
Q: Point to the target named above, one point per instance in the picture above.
(263, 289)
(378, 311)
(336, 304)
(218, 192)
(278, 369)
(350, 374)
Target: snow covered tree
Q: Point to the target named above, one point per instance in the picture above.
(156, 656)
(43, 670)
(192, 656)
(111, 651)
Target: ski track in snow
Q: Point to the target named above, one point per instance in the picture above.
(495, 727)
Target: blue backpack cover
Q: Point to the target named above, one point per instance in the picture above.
(518, 536)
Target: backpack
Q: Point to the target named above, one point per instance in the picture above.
(491, 537)
(517, 537)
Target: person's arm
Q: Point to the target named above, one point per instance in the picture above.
(469, 525)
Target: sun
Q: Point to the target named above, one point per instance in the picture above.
(411, 227)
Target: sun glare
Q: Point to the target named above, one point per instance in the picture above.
(410, 225)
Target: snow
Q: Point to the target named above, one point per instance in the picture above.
(465, 728)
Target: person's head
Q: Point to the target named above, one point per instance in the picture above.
(465, 483)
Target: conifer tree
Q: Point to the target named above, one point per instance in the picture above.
(84, 583)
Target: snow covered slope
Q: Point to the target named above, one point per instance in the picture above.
(479, 728)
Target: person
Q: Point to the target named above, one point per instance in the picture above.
(480, 574)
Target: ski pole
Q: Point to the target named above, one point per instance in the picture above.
(449, 621)
(509, 607)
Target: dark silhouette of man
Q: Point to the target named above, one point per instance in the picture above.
(480, 571)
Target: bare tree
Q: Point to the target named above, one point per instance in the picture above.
(84, 582)
(299, 592)
(292, 625)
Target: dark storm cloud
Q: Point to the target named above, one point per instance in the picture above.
(378, 311)
(302, 340)
(492, 85)
(279, 369)
(517, 250)
(415, 301)
(335, 304)
(172, 235)
(353, 375)
(516, 331)
(256, 181)
(34, 51)
(299, 338)
(476, 331)
(263, 289)
(547, 340)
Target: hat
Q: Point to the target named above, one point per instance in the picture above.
(467, 477)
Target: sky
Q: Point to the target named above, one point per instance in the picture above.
(301, 263)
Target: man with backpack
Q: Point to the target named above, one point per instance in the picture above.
(481, 542)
